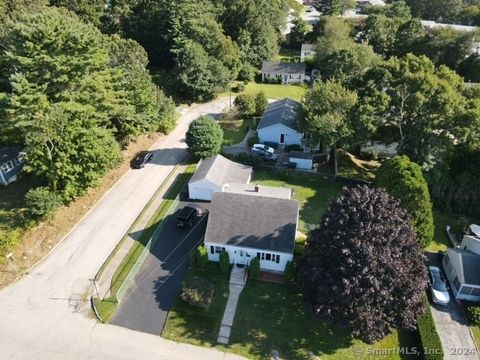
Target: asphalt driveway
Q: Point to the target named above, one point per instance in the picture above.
(155, 288)
(452, 326)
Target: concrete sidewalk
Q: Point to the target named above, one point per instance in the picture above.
(104, 281)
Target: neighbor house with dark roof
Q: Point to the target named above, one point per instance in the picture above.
(279, 125)
(215, 174)
(283, 72)
(462, 267)
(11, 163)
(252, 226)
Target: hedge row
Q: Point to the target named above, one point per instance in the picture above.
(429, 337)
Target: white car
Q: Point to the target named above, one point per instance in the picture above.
(264, 147)
(438, 286)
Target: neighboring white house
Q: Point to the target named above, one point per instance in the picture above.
(286, 73)
(462, 266)
(308, 51)
(11, 163)
(279, 123)
(214, 175)
(252, 226)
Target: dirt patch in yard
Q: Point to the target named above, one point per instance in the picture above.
(40, 240)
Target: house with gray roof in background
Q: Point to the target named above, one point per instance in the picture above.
(252, 226)
(283, 72)
(11, 163)
(280, 125)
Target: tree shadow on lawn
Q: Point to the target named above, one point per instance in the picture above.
(195, 325)
(312, 191)
(273, 317)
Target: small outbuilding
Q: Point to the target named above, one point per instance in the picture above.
(214, 174)
(302, 160)
(283, 72)
(11, 163)
(252, 226)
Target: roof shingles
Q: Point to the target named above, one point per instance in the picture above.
(253, 221)
(283, 112)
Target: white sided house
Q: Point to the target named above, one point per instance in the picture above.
(283, 72)
(215, 174)
(279, 123)
(252, 226)
(462, 267)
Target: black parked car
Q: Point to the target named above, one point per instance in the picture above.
(188, 215)
(141, 160)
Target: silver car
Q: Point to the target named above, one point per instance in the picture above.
(438, 286)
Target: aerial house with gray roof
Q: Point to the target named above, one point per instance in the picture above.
(252, 226)
(283, 72)
(215, 174)
(279, 125)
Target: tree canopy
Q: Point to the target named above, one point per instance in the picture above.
(204, 137)
(363, 266)
(404, 180)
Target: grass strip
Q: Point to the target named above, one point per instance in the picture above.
(136, 250)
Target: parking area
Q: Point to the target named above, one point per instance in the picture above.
(155, 288)
(451, 325)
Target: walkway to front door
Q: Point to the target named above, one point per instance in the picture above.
(238, 278)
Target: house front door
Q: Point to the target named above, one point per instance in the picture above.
(282, 138)
(285, 79)
(240, 257)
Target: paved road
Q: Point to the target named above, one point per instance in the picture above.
(44, 316)
(158, 282)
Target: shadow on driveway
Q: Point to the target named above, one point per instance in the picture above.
(155, 288)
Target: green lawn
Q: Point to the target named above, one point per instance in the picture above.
(288, 55)
(190, 324)
(312, 192)
(234, 131)
(277, 91)
(273, 317)
(476, 335)
(352, 167)
(270, 317)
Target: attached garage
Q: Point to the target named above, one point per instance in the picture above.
(214, 175)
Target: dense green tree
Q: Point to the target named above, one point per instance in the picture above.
(363, 266)
(336, 44)
(245, 104)
(42, 203)
(455, 184)
(404, 180)
(469, 68)
(152, 110)
(439, 10)
(327, 109)
(331, 7)
(425, 105)
(201, 76)
(204, 137)
(64, 96)
(261, 103)
(224, 262)
(297, 34)
(68, 149)
(92, 11)
(254, 268)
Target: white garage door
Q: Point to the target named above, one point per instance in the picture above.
(203, 194)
